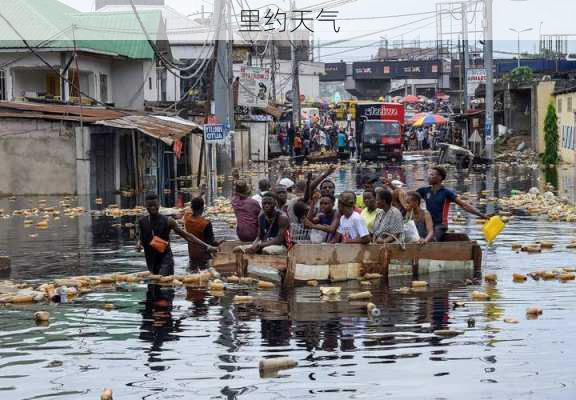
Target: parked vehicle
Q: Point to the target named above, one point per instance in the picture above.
(380, 130)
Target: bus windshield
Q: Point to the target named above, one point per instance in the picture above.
(381, 128)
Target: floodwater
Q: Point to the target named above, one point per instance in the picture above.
(166, 344)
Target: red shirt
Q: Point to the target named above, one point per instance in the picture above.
(247, 211)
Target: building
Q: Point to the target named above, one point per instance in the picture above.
(61, 149)
(114, 63)
(565, 96)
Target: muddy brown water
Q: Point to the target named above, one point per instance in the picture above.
(164, 344)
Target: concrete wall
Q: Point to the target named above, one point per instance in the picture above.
(129, 84)
(544, 92)
(567, 126)
(37, 157)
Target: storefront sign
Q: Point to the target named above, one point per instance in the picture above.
(397, 69)
(334, 72)
(255, 86)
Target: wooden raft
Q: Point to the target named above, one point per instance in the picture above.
(340, 262)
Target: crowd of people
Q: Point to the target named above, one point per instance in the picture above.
(309, 212)
(317, 135)
(285, 213)
(425, 137)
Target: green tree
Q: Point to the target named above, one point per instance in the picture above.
(551, 138)
(520, 75)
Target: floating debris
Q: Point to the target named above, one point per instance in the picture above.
(360, 296)
(491, 278)
(518, 278)
(266, 285)
(534, 311)
(447, 333)
(106, 394)
(480, 296)
(269, 366)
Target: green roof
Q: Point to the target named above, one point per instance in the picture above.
(117, 33)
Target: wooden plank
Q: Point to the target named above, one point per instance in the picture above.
(455, 251)
(278, 262)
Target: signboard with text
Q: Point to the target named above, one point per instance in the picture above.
(255, 84)
(397, 69)
(215, 133)
(474, 78)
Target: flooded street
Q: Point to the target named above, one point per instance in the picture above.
(163, 343)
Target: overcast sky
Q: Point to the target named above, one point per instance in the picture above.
(550, 16)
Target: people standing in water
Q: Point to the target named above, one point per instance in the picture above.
(154, 236)
(438, 199)
(199, 226)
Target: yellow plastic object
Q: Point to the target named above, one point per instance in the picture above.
(492, 228)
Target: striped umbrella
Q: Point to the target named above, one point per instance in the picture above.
(410, 99)
(430, 119)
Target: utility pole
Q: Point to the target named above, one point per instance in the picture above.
(488, 64)
(273, 68)
(295, 80)
(465, 53)
(223, 105)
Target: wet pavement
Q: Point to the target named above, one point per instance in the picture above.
(161, 343)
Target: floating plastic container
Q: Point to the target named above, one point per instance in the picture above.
(492, 228)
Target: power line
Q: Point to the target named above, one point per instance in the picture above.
(33, 51)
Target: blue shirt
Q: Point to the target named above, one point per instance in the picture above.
(341, 140)
(438, 204)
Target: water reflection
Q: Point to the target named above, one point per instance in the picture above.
(158, 325)
(191, 341)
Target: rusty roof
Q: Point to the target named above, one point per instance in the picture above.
(61, 109)
(165, 129)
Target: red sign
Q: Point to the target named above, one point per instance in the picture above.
(211, 120)
(302, 98)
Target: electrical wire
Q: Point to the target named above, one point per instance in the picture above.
(33, 51)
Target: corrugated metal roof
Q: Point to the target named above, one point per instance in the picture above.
(62, 110)
(166, 129)
(154, 126)
(119, 32)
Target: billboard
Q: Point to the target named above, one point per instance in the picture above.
(334, 72)
(474, 78)
(397, 69)
(255, 84)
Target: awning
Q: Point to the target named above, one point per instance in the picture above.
(166, 129)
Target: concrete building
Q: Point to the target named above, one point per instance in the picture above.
(60, 149)
(565, 97)
(108, 67)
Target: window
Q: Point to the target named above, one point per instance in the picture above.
(2, 85)
(150, 83)
(559, 105)
(569, 104)
(104, 88)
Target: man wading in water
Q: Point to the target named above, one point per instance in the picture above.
(154, 236)
(438, 199)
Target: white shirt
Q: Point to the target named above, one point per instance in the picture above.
(352, 228)
(258, 198)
